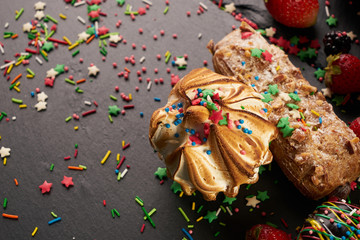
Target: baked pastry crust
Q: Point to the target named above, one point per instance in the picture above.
(321, 155)
(200, 152)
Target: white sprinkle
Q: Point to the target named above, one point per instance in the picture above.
(6, 25)
(24, 53)
(81, 20)
(142, 59)
(327, 11)
(124, 172)
(322, 221)
(87, 103)
(229, 211)
(149, 86)
(96, 27)
(218, 212)
(352, 212)
(147, 2)
(79, 3)
(2, 49)
(38, 60)
(40, 44)
(6, 65)
(203, 5)
(199, 36)
(14, 118)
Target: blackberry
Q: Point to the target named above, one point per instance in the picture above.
(336, 42)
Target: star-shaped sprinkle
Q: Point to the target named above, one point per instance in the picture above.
(293, 106)
(223, 121)
(351, 35)
(161, 173)
(40, 106)
(97, 2)
(39, 5)
(27, 27)
(294, 40)
(303, 39)
(115, 38)
(331, 21)
(51, 73)
(216, 116)
(267, 56)
(283, 122)
(93, 70)
(103, 30)
(41, 97)
(338, 99)
(175, 187)
(49, 81)
(90, 30)
(294, 50)
(5, 152)
(83, 36)
(210, 216)
(174, 79)
(315, 44)
(273, 89)
(270, 32)
(282, 42)
(93, 8)
(180, 61)
(267, 97)
(245, 35)
(319, 73)
(252, 201)
(94, 15)
(287, 131)
(67, 181)
(45, 187)
(141, 11)
(327, 92)
(229, 7)
(255, 52)
(60, 68)
(39, 15)
(262, 195)
(311, 52)
(302, 55)
(48, 46)
(114, 110)
(229, 200)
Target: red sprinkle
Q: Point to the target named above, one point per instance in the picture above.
(84, 114)
(126, 146)
(142, 228)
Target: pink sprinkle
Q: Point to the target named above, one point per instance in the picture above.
(127, 166)
(190, 231)
(103, 58)
(156, 70)
(161, 80)
(326, 212)
(263, 214)
(117, 88)
(37, 90)
(242, 152)
(205, 63)
(156, 81)
(161, 182)
(140, 79)
(155, 37)
(66, 68)
(143, 47)
(114, 64)
(148, 79)
(71, 77)
(174, 35)
(311, 232)
(137, 88)
(133, 45)
(186, 56)
(158, 56)
(168, 70)
(143, 69)
(236, 209)
(188, 13)
(140, 30)
(123, 112)
(331, 220)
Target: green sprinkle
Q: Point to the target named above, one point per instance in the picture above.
(51, 18)
(248, 186)
(15, 100)
(5, 203)
(294, 96)
(7, 36)
(12, 86)
(119, 176)
(105, 36)
(69, 81)
(43, 55)
(75, 53)
(293, 106)
(68, 119)
(302, 115)
(30, 71)
(113, 98)
(54, 215)
(222, 207)
(31, 36)
(222, 224)
(151, 213)
(19, 14)
(216, 234)
(52, 167)
(184, 214)
(83, 167)
(200, 208)
(148, 217)
(139, 202)
(116, 212)
(105, 44)
(271, 224)
(166, 10)
(49, 35)
(112, 213)
(168, 58)
(190, 226)
(110, 118)
(273, 89)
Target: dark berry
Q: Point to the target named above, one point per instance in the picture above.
(336, 42)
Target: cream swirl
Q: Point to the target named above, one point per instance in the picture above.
(213, 134)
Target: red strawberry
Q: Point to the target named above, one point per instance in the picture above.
(343, 73)
(355, 126)
(294, 13)
(266, 232)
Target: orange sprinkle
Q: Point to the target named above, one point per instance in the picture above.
(90, 39)
(16, 181)
(5, 215)
(14, 36)
(302, 120)
(81, 81)
(16, 78)
(75, 168)
(126, 69)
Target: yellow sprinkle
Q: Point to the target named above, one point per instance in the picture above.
(118, 157)
(17, 84)
(62, 16)
(4, 162)
(123, 143)
(167, 53)
(73, 46)
(17, 89)
(76, 128)
(105, 157)
(130, 96)
(18, 63)
(16, 12)
(34, 232)
(45, 54)
(278, 68)
(193, 206)
(29, 76)
(67, 40)
(23, 106)
(181, 194)
(317, 114)
(199, 219)
(10, 68)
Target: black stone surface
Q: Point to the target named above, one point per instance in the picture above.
(38, 139)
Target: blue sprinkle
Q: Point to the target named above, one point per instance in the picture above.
(208, 152)
(320, 120)
(295, 92)
(192, 131)
(182, 114)
(250, 132)
(243, 63)
(167, 109)
(204, 139)
(199, 90)
(187, 130)
(178, 115)
(32, 94)
(54, 220)
(176, 123)
(357, 231)
(167, 125)
(348, 233)
(253, 85)
(338, 225)
(193, 143)
(256, 77)
(352, 228)
(116, 171)
(202, 103)
(173, 106)
(343, 238)
(176, 135)
(179, 121)
(157, 99)
(173, 63)
(245, 130)
(265, 110)
(241, 121)
(331, 238)
(180, 105)
(238, 126)
(141, 114)
(266, 92)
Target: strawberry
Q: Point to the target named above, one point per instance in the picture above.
(294, 13)
(266, 232)
(343, 73)
(355, 126)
